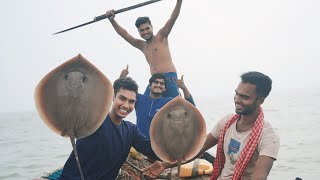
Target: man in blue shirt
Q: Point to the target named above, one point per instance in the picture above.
(148, 105)
(103, 153)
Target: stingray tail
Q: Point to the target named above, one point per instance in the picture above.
(179, 166)
(72, 139)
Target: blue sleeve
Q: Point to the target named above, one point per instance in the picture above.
(190, 100)
(142, 144)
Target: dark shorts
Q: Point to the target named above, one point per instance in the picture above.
(172, 90)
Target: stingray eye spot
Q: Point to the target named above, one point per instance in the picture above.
(66, 77)
(84, 78)
(169, 115)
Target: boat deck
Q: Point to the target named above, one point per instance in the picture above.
(127, 172)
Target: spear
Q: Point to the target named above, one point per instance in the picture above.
(104, 16)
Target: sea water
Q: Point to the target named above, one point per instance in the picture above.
(28, 149)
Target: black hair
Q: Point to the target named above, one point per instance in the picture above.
(263, 82)
(126, 83)
(158, 76)
(142, 20)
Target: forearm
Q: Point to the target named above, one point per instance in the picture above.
(176, 10)
(189, 98)
(186, 93)
(125, 35)
(143, 145)
(262, 168)
(165, 31)
(120, 30)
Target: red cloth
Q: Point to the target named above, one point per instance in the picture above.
(246, 153)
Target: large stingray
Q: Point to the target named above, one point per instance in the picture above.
(74, 99)
(177, 132)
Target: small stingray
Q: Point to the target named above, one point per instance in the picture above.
(177, 132)
(74, 99)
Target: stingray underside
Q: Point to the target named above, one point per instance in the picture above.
(177, 131)
(74, 98)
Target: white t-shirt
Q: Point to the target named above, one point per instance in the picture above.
(235, 141)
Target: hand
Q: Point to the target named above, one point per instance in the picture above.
(154, 169)
(124, 72)
(110, 14)
(180, 83)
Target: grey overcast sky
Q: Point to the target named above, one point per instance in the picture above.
(212, 43)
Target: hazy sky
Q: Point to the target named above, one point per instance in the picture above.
(212, 43)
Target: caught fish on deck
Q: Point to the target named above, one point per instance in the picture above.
(74, 99)
(177, 132)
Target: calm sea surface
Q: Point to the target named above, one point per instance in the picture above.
(28, 149)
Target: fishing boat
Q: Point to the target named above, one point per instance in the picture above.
(131, 170)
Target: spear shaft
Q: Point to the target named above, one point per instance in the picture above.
(104, 16)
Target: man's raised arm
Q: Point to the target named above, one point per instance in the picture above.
(187, 95)
(122, 32)
(165, 31)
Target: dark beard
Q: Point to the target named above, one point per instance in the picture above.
(247, 111)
